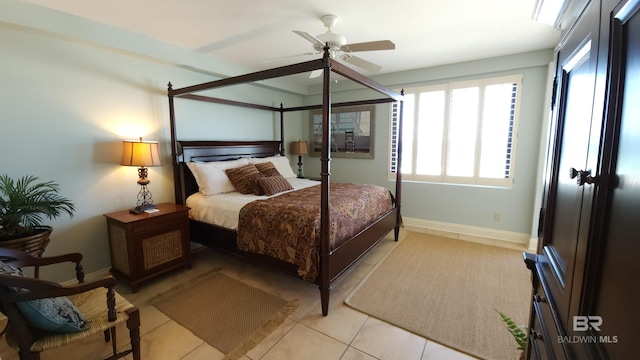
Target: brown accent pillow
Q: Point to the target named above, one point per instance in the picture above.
(267, 169)
(244, 178)
(255, 188)
(273, 184)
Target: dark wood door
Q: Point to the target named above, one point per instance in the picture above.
(590, 233)
(616, 297)
(567, 204)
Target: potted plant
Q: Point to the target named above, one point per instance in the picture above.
(519, 335)
(23, 205)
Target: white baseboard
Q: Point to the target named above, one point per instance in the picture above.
(471, 233)
(462, 232)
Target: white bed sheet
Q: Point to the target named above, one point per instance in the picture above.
(223, 209)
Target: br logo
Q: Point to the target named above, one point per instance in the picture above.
(584, 323)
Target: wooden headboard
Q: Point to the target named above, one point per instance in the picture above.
(207, 151)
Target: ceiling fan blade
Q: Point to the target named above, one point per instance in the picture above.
(315, 73)
(361, 63)
(369, 46)
(312, 39)
(289, 56)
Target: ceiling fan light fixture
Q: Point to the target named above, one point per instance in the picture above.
(338, 47)
(335, 41)
(329, 21)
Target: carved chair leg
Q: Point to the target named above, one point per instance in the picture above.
(133, 324)
(107, 336)
(114, 346)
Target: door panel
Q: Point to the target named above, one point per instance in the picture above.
(573, 154)
(563, 236)
(618, 295)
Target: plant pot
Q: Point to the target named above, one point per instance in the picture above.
(33, 244)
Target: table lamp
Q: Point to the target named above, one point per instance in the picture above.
(299, 148)
(142, 154)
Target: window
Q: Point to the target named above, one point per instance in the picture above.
(460, 133)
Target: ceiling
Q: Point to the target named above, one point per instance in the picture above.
(256, 35)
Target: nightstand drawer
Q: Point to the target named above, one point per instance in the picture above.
(155, 223)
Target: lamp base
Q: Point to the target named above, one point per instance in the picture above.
(145, 202)
(300, 176)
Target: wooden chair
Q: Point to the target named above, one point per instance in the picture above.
(97, 300)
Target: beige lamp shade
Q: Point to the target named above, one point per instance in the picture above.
(298, 148)
(140, 153)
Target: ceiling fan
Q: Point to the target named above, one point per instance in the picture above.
(338, 47)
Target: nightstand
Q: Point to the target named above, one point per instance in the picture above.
(148, 244)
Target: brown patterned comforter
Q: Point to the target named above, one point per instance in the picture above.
(287, 226)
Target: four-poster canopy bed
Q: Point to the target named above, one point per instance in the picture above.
(333, 257)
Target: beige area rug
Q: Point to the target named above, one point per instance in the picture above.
(229, 315)
(447, 290)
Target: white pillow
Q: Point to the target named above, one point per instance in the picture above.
(280, 162)
(211, 177)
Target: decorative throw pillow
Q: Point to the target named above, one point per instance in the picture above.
(267, 169)
(57, 314)
(211, 177)
(6, 269)
(243, 178)
(280, 162)
(274, 184)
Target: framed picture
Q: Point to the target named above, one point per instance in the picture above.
(351, 132)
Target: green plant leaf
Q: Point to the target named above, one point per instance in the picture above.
(25, 202)
(517, 332)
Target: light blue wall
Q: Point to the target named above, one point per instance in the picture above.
(454, 204)
(72, 90)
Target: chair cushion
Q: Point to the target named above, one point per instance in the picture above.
(93, 305)
(57, 314)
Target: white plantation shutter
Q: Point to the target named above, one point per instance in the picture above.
(460, 133)
(395, 118)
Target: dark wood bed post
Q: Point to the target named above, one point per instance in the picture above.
(174, 147)
(325, 173)
(396, 231)
(343, 256)
(282, 151)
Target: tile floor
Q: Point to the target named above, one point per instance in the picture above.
(345, 334)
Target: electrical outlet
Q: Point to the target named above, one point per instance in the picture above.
(496, 217)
